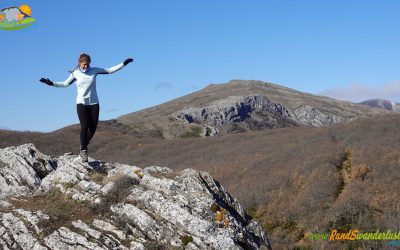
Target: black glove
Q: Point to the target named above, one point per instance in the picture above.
(129, 60)
(47, 81)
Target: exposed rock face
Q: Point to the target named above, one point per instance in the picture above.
(186, 210)
(232, 109)
(21, 170)
(248, 109)
(307, 115)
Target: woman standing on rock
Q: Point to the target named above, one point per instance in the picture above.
(87, 102)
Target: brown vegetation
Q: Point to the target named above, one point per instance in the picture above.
(61, 209)
(119, 191)
(288, 177)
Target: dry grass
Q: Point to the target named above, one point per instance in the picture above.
(98, 177)
(119, 191)
(284, 175)
(61, 209)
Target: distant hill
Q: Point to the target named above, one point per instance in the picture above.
(382, 103)
(240, 105)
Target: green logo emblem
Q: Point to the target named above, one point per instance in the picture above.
(16, 18)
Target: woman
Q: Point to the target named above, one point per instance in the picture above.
(87, 102)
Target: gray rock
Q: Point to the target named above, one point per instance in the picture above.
(232, 109)
(32, 217)
(16, 233)
(157, 170)
(108, 227)
(83, 226)
(22, 169)
(64, 238)
(155, 211)
(307, 115)
(253, 108)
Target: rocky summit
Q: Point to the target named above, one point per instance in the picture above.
(239, 106)
(61, 203)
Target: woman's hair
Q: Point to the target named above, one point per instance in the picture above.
(83, 57)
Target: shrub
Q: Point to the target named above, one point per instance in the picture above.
(344, 171)
(289, 224)
(360, 171)
(235, 127)
(214, 207)
(193, 132)
(186, 239)
(119, 191)
(97, 177)
(67, 185)
(220, 217)
(139, 173)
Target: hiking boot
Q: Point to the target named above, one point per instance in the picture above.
(84, 155)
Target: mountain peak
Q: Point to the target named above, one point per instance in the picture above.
(60, 203)
(247, 83)
(216, 109)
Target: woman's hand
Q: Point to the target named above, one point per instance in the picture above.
(129, 60)
(47, 81)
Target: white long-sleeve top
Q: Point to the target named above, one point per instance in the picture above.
(86, 83)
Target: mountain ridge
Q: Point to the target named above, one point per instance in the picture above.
(161, 117)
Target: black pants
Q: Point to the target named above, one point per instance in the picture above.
(88, 117)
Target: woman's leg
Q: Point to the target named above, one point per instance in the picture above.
(94, 119)
(84, 121)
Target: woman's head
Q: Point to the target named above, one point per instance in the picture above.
(84, 61)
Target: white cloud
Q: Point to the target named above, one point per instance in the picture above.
(164, 86)
(358, 92)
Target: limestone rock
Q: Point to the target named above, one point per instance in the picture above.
(123, 207)
(256, 110)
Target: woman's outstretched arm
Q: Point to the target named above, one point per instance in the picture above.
(115, 68)
(65, 83)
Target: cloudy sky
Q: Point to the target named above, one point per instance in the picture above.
(344, 49)
(357, 92)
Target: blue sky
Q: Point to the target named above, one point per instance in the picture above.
(344, 49)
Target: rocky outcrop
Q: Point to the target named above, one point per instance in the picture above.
(103, 205)
(232, 109)
(253, 108)
(307, 115)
